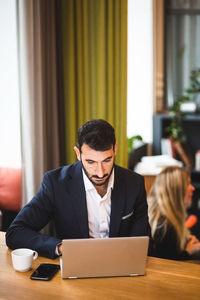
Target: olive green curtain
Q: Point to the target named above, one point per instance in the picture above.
(94, 54)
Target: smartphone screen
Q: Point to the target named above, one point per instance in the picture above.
(45, 272)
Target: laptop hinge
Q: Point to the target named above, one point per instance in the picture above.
(134, 275)
(72, 277)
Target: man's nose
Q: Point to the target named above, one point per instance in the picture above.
(100, 170)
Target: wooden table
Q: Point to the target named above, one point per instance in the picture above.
(164, 279)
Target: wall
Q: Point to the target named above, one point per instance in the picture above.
(140, 69)
(9, 93)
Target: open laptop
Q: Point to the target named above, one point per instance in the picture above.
(107, 257)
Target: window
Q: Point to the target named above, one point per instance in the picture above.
(182, 45)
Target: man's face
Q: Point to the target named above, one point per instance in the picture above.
(97, 165)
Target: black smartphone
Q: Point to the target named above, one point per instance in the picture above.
(45, 272)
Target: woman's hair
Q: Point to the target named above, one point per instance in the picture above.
(166, 203)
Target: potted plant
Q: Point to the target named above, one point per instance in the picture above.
(194, 90)
(132, 141)
(176, 132)
(175, 129)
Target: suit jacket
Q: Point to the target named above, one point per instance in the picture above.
(62, 198)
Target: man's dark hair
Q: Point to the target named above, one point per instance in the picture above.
(97, 134)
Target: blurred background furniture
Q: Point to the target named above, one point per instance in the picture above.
(10, 195)
(191, 126)
(135, 156)
(190, 123)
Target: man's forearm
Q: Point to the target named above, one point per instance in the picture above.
(19, 237)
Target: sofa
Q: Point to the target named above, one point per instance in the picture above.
(10, 195)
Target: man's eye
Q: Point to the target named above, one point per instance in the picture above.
(90, 162)
(107, 160)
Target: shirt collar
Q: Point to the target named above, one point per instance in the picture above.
(89, 185)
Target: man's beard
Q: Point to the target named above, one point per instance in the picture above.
(95, 176)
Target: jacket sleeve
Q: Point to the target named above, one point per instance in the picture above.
(24, 231)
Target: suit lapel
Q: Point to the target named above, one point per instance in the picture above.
(117, 203)
(78, 198)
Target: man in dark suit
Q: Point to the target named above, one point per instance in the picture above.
(91, 198)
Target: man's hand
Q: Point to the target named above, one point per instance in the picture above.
(193, 245)
(60, 249)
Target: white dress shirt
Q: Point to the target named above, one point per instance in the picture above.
(98, 208)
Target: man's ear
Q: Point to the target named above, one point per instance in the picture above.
(78, 154)
(115, 148)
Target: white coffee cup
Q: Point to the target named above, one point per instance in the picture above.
(22, 259)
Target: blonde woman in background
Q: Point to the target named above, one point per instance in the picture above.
(168, 199)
